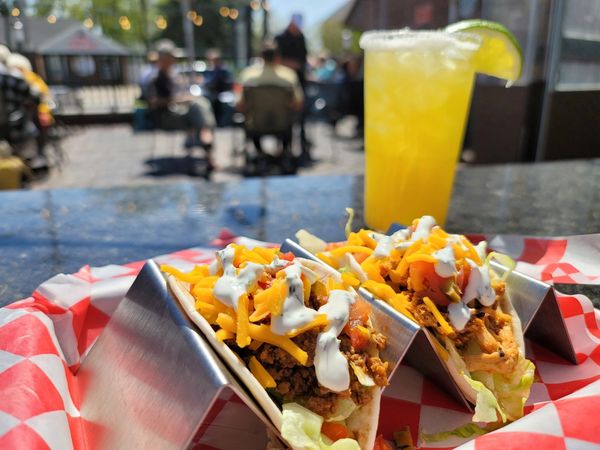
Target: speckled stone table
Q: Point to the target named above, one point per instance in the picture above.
(43, 233)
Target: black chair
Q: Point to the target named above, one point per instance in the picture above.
(269, 111)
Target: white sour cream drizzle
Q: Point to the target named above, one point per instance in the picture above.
(481, 249)
(294, 313)
(276, 264)
(479, 286)
(233, 284)
(423, 229)
(459, 314)
(354, 267)
(385, 244)
(331, 365)
(446, 262)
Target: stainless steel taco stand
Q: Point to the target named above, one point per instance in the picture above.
(150, 381)
(538, 309)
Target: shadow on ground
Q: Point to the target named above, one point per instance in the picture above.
(173, 165)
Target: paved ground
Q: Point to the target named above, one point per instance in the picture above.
(102, 156)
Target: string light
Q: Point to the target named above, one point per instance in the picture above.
(255, 5)
(224, 11)
(160, 22)
(191, 15)
(198, 21)
(233, 13)
(51, 18)
(16, 12)
(88, 23)
(125, 23)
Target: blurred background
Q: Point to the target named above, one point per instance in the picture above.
(92, 56)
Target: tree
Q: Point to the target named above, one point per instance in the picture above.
(332, 32)
(215, 31)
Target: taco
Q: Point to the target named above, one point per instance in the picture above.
(301, 341)
(444, 283)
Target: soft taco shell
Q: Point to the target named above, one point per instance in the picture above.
(363, 422)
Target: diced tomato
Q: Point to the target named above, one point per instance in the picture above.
(289, 256)
(382, 444)
(334, 431)
(360, 311)
(463, 277)
(358, 338)
(427, 282)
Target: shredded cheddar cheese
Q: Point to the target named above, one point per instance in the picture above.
(197, 273)
(223, 335)
(327, 259)
(269, 301)
(350, 279)
(264, 334)
(260, 373)
(444, 325)
(380, 290)
(420, 257)
(400, 303)
(242, 339)
(340, 251)
(306, 288)
(372, 268)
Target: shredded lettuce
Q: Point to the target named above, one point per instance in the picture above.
(348, 227)
(503, 259)
(512, 392)
(363, 378)
(465, 431)
(344, 409)
(310, 242)
(486, 404)
(301, 428)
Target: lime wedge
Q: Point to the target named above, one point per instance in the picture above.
(500, 54)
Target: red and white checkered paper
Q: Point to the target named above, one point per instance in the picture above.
(44, 337)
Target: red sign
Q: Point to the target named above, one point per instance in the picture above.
(81, 41)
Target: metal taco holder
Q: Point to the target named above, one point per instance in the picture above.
(151, 381)
(534, 302)
(537, 307)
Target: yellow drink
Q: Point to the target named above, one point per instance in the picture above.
(417, 94)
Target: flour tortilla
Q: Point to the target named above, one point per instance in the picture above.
(363, 422)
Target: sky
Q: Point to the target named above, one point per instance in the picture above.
(313, 11)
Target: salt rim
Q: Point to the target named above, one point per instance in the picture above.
(425, 39)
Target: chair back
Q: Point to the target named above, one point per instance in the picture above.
(268, 109)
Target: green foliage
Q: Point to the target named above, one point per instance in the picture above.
(331, 36)
(216, 31)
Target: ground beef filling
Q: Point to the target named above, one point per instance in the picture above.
(298, 383)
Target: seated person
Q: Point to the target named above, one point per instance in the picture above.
(43, 118)
(271, 73)
(173, 110)
(217, 79)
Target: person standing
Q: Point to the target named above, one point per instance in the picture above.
(292, 49)
(217, 79)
